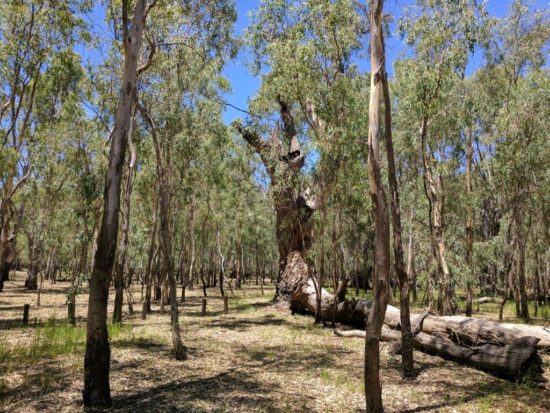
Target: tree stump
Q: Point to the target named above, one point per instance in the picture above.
(203, 307)
(26, 309)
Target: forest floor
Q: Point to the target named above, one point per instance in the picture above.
(254, 359)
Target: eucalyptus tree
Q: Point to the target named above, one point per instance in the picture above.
(314, 44)
(515, 59)
(397, 232)
(373, 389)
(57, 109)
(86, 193)
(121, 266)
(146, 215)
(97, 392)
(190, 53)
(524, 126)
(33, 35)
(442, 36)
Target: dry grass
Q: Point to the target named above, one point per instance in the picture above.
(255, 359)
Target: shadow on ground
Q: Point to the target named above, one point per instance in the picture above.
(229, 388)
(39, 382)
(245, 324)
(480, 390)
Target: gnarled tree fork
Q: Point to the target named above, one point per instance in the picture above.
(282, 156)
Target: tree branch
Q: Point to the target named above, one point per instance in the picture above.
(152, 50)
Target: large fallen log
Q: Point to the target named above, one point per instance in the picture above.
(466, 330)
(474, 331)
(505, 350)
(516, 361)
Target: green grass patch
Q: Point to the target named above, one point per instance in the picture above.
(54, 338)
(240, 305)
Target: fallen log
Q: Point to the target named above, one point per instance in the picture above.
(466, 330)
(516, 361)
(474, 331)
(416, 327)
(487, 300)
(505, 350)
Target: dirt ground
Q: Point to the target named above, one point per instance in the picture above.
(254, 359)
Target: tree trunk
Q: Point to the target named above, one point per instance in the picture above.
(128, 288)
(165, 235)
(411, 270)
(523, 302)
(8, 238)
(472, 331)
(120, 265)
(375, 320)
(399, 265)
(239, 263)
(469, 223)
(192, 238)
(282, 158)
(462, 330)
(222, 262)
(148, 281)
(434, 192)
(31, 282)
(505, 350)
(516, 361)
(97, 392)
(321, 278)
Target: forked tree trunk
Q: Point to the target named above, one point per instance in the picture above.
(283, 159)
(97, 391)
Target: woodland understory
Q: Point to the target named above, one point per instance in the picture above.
(369, 229)
(256, 358)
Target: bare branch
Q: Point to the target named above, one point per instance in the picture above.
(150, 6)
(19, 184)
(152, 50)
